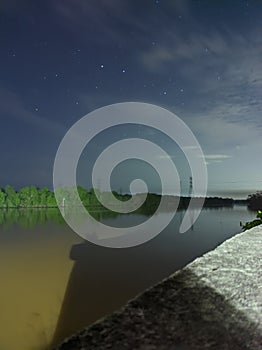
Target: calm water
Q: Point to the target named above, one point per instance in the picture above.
(54, 283)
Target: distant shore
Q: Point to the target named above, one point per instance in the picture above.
(33, 197)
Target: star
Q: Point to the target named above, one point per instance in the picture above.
(75, 52)
(181, 90)
(123, 70)
(36, 109)
(102, 66)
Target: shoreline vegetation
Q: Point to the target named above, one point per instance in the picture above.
(34, 197)
(31, 205)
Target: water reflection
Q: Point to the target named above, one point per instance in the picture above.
(29, 218)
(103, 280)
(53, 283)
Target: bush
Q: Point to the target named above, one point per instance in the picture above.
(255, 200)
(256, 222)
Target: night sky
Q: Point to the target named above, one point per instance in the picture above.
(201, 60)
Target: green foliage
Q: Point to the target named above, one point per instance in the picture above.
(29, 218)
(24, 195)
(12, 198)
(51, 201)
(42, 197)
(34, 196)
(62, 196)
(256, 222)
(83, 194)
(2, 198)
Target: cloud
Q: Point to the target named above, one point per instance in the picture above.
(190, 147)
(181, 7)
(99, 20)
(165, 156)
(217, 156)
(218, 135)
(176, 48)
(223, 105)
(96, 11)
(104, 18)
(12, 106)
(221, 70)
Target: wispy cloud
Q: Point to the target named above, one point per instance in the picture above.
(13, 107)
(222, 69)
(105, 17)
(190, 147)
(165, 156)
(100, 18)
(176, 48)
(217, 156)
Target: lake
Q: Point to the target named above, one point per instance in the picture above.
(54, 283)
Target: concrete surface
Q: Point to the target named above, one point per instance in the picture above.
(213, 303)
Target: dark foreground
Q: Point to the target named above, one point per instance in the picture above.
(213, 303)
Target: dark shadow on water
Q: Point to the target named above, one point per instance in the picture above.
(101, 281)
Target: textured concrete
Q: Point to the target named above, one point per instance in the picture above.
(213, 303)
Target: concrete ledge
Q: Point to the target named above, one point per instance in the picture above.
(213, 303)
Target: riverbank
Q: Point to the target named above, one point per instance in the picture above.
(34, 197)
(215, 302)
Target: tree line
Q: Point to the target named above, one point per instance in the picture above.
(34, 197)
(29, 196)
(255, 201)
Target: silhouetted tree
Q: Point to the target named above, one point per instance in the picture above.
(255, 200)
